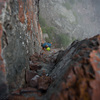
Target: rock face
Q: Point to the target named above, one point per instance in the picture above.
(77, 73)
(20, 37)
(71, 74)
(77, 19)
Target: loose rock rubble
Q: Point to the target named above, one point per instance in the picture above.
(37, 81)
(74, 74)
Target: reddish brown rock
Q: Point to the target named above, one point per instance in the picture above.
(2, 68)
(17, 98)
(29, 75)
(17, 92)
(21, 11)
(28, 90)
(80, 78)
(34, 81)
(21, 98)
(35, 67)
(20, 35)
(44, 82)
(31, 98)
(75, 72)
(95, 84)
(95, 60)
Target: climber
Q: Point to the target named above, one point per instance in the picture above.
(48, 48)
(46, 45)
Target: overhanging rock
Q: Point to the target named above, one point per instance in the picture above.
(77, 72)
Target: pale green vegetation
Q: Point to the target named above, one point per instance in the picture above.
(51, 31)
(58, 40)
(62, 16)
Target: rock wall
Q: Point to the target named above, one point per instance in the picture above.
(71, 74)
(20, 37)
(76, 72)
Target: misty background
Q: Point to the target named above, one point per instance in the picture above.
(64, 21)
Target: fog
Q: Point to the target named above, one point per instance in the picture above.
(96, 5)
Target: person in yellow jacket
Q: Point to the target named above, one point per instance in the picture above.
(48, 48)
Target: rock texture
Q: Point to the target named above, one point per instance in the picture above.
(28, 74)
(3, 82)
(71, 74)
(77, 72)
(20, 37)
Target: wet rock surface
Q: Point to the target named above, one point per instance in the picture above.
(73, 74)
